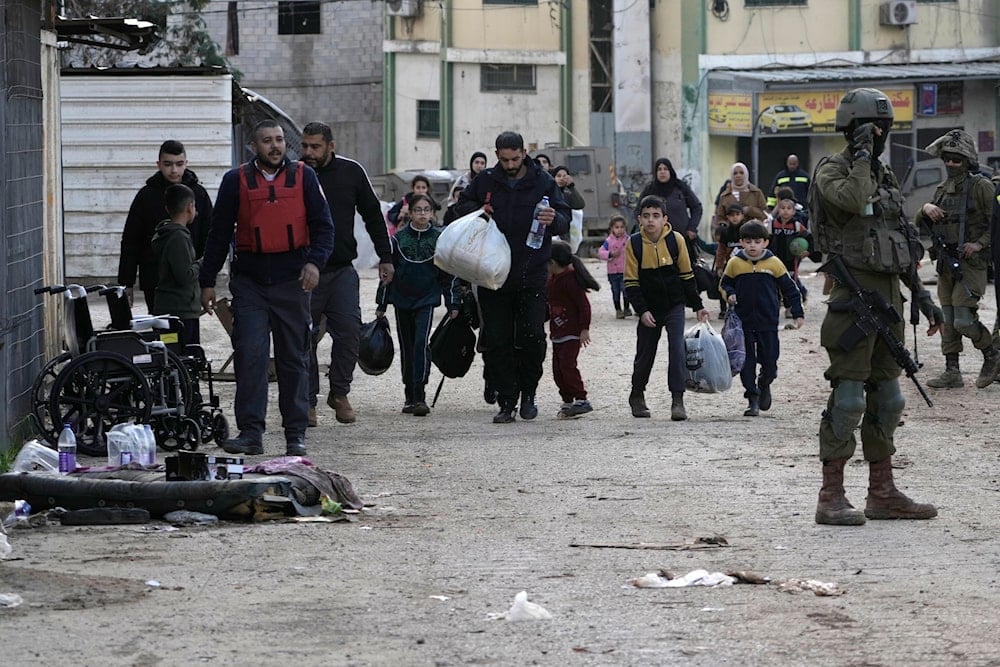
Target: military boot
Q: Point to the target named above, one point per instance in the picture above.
(991, 367)
(677, 411)
(833, 507)
(637, 401)
(952, 376)
(754, 408)
(885, 501)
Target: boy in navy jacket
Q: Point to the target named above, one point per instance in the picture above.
(750, 284)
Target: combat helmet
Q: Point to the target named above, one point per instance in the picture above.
(959, 142)
(864, 104)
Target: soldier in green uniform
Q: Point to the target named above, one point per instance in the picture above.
(959, 218)
(856, 214)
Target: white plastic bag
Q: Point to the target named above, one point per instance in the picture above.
(575, 236)
(706, 360)
(474, 249)
(732, 334)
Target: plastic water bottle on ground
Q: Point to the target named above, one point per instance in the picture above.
(149, 451)
(67, 450)
(537, 234)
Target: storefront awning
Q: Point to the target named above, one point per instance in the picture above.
(754, 80)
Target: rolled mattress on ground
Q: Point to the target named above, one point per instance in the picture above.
(253, 498)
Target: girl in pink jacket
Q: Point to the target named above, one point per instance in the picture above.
(612, 251)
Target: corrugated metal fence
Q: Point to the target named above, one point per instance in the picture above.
(21, 207)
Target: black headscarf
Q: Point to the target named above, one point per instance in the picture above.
(663, 189)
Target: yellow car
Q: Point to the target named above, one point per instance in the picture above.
(779, 117)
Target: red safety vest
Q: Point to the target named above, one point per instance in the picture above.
(272, 214)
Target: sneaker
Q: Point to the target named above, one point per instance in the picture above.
(565, 411)
(765, 397)
(313, 419)
(619, 315)
(528, 408)
(627, 311)
(342, 407)
(420, 409)
(295, 446)
(407, 408)
(505, 416)
(244, 444)
(580, 407)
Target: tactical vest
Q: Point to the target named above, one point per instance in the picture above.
(953, 203)
(272, 214)
(869, 240)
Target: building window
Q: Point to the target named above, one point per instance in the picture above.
(298, 18)
(428, 119)
(495, 78)
(765, 3)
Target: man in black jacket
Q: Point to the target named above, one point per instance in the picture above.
(513, 333)
(347, 188)
(148, 210)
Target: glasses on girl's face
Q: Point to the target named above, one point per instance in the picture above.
(421, 210)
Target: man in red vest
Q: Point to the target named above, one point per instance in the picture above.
(274, 213)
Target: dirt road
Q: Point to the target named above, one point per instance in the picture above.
(465, 513)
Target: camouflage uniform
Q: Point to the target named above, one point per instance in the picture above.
(965, 191)
(856, 209)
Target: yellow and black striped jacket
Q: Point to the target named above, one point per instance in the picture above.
(658, 274)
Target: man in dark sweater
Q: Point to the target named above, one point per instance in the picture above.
(347, 188)
(147, 211)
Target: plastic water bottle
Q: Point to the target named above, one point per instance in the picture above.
(67, 450)
(149, 451)
(537, 234)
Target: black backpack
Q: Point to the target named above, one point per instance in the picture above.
(453, 346)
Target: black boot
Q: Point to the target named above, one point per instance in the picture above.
(506, 414)
(754, 408)
(765, 397)
(637, 401)
(677, 411)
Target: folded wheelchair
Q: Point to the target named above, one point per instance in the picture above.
(136, 370)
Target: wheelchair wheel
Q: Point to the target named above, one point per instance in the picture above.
(173, 433)
(94, 392)
(176, 391)
(41, 395)
(220, 429)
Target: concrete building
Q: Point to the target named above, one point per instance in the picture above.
(703, 83)
(314, 60)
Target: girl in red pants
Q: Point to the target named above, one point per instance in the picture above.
(569, 325)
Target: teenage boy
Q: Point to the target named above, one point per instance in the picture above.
(177, 290)
(147, 211)
(750, 284)
(659, 282)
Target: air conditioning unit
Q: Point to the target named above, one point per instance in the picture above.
(898, 12)
(404, 8)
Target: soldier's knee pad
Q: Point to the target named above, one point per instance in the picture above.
(949, 314)
(965, 322)
(848, 408)
(890, 404)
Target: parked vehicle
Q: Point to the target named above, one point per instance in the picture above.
(781, 117)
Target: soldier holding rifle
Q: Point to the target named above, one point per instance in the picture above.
(856, 216)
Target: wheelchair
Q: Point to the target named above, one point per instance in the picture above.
(136, 370)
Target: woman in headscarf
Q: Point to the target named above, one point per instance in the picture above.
(683, 208)
(744, 193)
(476, 164)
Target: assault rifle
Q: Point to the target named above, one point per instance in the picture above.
(948, 254)
(874, 315)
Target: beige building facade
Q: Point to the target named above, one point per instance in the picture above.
(704, 83)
